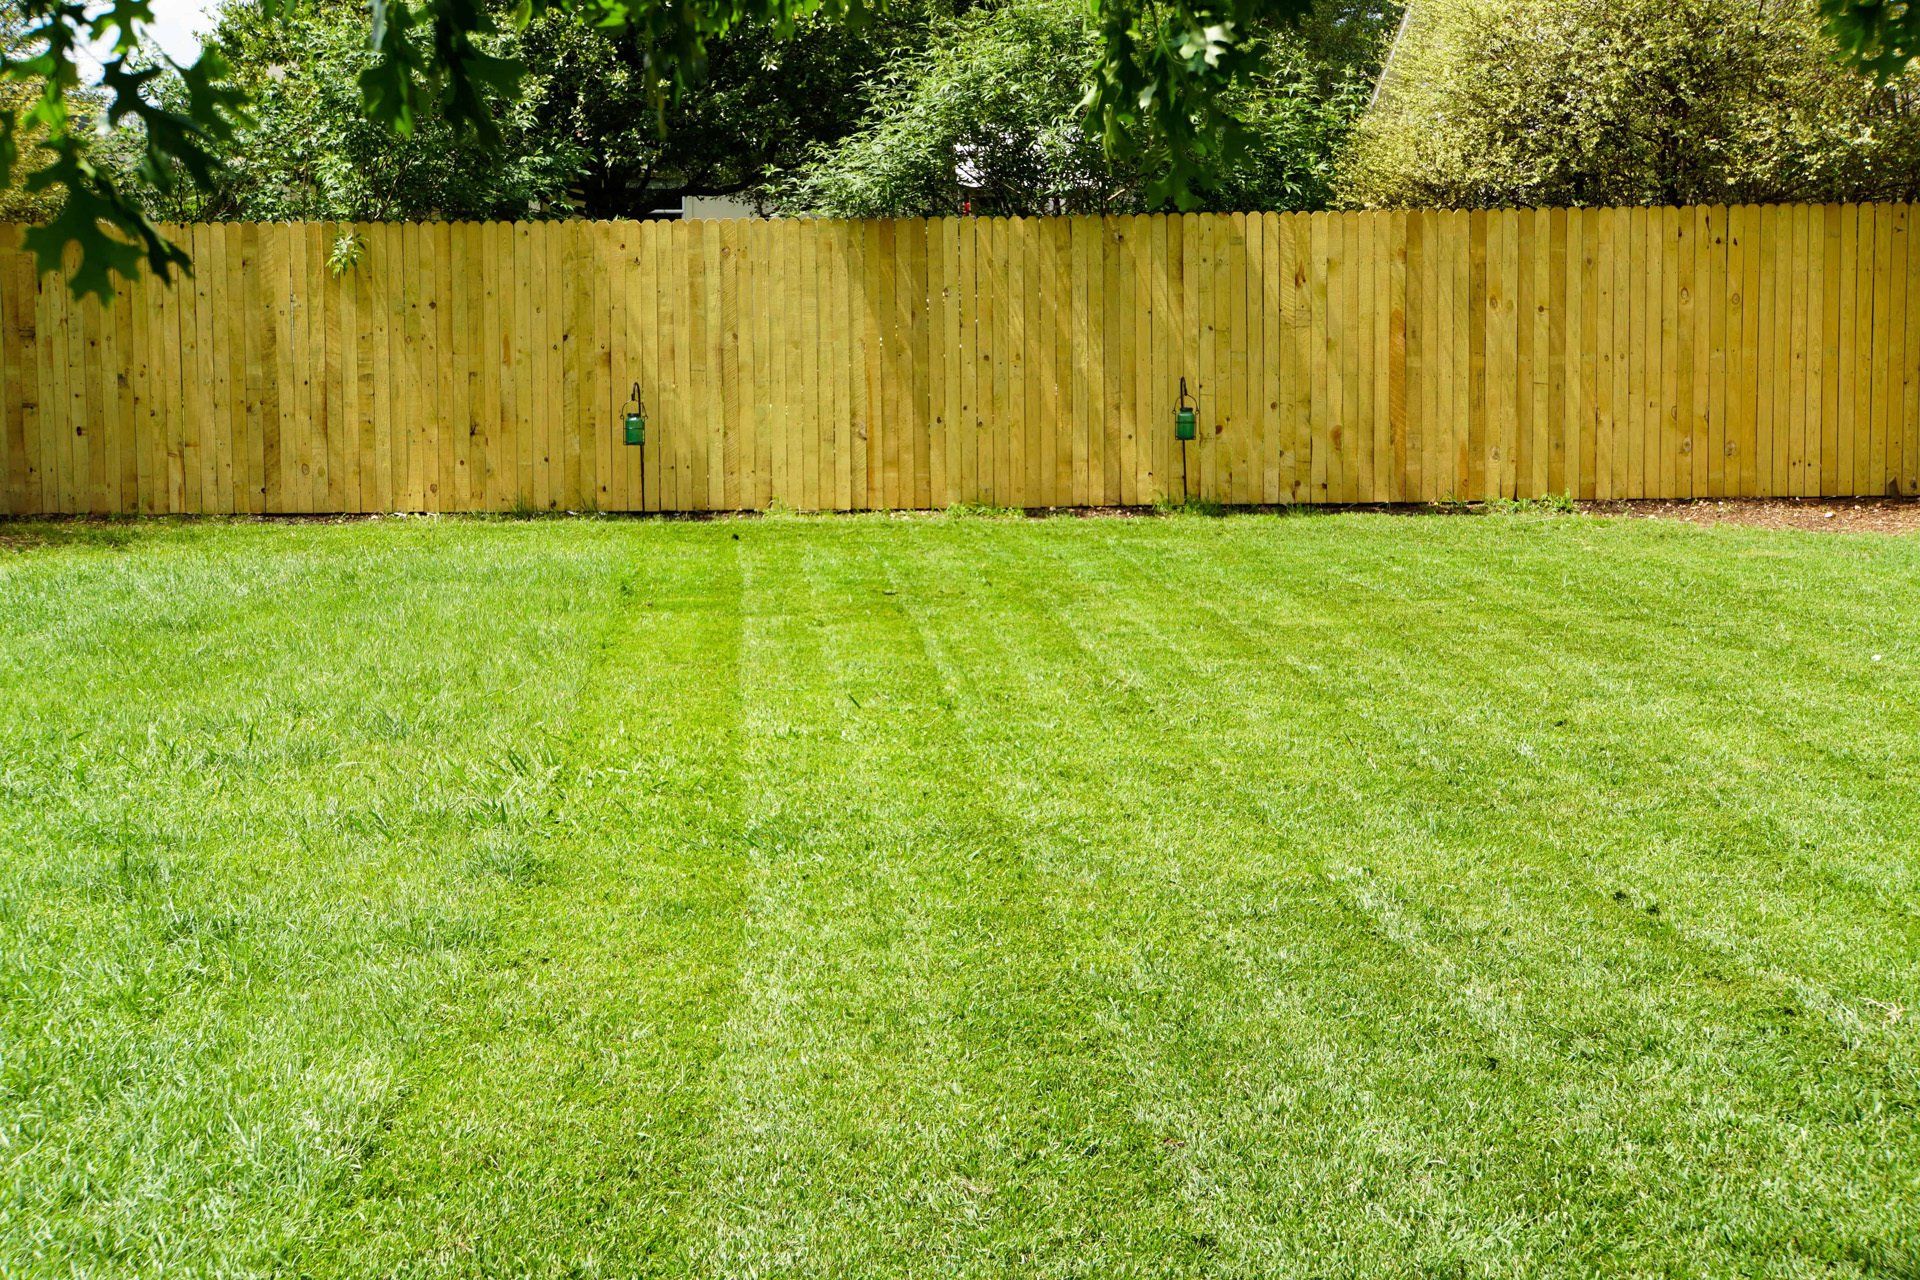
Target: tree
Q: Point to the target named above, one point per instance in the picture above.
(70, 156)
(760, 106)
(582, 136)
(23, 100)
(18, 97)
(307, 148)
(1163, 73)
(1161, 64)
(1590, 102)
(989, 120)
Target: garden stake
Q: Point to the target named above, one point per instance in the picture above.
(636, 434)
(1185, 427)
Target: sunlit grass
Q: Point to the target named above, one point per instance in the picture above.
(1335, 895)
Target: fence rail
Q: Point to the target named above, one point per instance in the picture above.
(1335, 357)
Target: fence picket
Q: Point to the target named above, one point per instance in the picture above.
(1335, 357)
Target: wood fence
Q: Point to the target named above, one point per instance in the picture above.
(1350, 357)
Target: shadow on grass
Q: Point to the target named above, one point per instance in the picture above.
(43, 534)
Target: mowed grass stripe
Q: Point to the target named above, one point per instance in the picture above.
(251, 825)
(1582, 705)
(920, 1059)
(1779, 830)
(1218, 950)
(1591, 976)
(1237, 973)
(1494, 675)
(574, 1081)
(1211, 897)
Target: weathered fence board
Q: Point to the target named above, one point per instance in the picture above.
(1336, 357)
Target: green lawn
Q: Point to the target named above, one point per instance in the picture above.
(1343, 895)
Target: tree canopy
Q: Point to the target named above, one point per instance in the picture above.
(988, 120)
(1166, 81)
(1572, 102)
(1162, 71)
(584, 134)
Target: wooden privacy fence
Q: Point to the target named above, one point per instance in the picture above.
(1335, 357)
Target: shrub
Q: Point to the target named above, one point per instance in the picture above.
(1593, 102)
(990, 121)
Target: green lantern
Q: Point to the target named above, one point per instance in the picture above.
(636, 421)
(1186, 421)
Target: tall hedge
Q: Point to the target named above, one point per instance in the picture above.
(1592, 102)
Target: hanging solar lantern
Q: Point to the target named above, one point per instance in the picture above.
(1185, 417)
(636, 424)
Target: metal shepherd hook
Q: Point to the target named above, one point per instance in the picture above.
(1185, 428)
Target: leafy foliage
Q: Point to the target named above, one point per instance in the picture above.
(1165, 80)
(1535, 102)
(310, 150)
(994, 101)
(1881, 37)
(992, 97)
(107, 224)
(585, 134)
(761, 106)
(1164, 69)
(19, 129)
